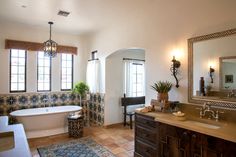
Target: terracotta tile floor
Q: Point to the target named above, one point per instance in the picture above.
(118, 139)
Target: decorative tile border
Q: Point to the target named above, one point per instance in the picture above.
(93, 108)
(96, 109)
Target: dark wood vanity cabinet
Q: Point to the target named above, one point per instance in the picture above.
(155, 139)
(146, 137)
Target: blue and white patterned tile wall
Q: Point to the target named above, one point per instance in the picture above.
(93, 108)
(96, 109)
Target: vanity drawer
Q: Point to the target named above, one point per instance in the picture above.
(145, 121)
(144, 149)
(146, 135)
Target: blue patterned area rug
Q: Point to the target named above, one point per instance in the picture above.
(84, 147)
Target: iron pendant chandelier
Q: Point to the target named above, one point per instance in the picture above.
(50, 46)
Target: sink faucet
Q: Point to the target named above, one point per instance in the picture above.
(231, 94)
(206, 108)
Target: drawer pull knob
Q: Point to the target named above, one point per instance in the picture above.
(185, 133)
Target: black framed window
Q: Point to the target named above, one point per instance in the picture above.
(66, 71)
(18, 70)
(43, 72)
(134, 77)
(137, 73)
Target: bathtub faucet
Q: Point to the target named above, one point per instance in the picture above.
(231, 94)
(45, 100)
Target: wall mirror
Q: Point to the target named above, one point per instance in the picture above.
(212, 69)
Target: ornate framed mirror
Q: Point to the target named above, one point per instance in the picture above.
(212, 69)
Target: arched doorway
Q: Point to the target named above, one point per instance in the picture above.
(114, 81)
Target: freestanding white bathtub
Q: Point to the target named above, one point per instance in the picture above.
(39, 122)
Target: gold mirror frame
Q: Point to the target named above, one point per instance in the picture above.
(217, 103)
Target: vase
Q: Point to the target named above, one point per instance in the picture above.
(162, 97)
(202, 86)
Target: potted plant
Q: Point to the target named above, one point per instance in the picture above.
(81, 88)
(162, 88)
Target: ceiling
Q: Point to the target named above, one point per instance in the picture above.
(88, 16)
(85, 15)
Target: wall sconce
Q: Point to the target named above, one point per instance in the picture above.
(212, 70)
(175, 70)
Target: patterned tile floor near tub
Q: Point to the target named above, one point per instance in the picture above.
(118, 139)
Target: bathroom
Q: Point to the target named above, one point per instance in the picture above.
(160, 29)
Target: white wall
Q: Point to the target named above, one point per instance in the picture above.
(114, 82)
(159, 27)
(34, 34)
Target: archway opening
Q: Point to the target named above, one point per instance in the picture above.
(117, 83)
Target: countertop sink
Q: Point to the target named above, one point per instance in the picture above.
(6, 141)
(202, 124)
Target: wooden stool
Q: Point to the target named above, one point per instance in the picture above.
(130, 114)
